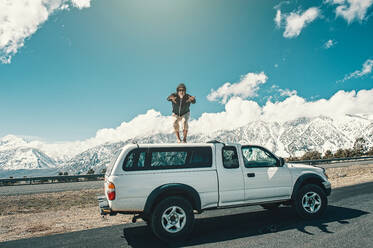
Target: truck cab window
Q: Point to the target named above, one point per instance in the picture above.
(230, 157)
(258, 157)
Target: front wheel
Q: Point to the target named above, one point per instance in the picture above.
(310, 201)
(172, 219)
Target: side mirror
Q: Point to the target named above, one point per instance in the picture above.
(282, 161)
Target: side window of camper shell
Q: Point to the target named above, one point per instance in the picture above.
(135, 160)
(168, 158)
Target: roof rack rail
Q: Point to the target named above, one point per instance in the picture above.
(135, 143)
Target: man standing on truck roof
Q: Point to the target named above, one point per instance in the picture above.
(180, 110)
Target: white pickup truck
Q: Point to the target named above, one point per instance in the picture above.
(166, 184)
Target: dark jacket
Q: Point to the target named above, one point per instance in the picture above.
(181, 107)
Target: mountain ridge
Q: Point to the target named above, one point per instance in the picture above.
(291, 138)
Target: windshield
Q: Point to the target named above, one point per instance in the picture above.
(110, 166)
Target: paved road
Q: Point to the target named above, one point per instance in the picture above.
(50, 187)
(347, 223)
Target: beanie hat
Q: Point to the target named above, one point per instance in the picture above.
(181, 86)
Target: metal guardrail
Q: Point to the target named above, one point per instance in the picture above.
(51, 179)
(332, 160)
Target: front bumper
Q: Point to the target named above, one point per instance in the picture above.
(328, 187)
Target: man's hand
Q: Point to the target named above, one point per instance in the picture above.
(191, 99)
(173, 99)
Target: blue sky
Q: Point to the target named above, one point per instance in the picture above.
(90, 68)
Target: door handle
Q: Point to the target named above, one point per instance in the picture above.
(250, 174)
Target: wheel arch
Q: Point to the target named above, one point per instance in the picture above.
(172, 189)
(308, 178)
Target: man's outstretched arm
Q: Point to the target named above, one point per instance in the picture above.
(191, 99)
(172, 97)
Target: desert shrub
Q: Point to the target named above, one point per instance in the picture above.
(311, 155)
(328, 154)
(360, 147)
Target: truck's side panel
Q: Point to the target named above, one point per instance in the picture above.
(273, 182)
(135, 187)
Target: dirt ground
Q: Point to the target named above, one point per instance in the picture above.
(25, 216)
(345, 176)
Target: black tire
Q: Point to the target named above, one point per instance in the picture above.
(300, 202)
(146, 221)
(271, 206)
(161, 208)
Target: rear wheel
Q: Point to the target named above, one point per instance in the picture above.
(310, 201)
(172, 219)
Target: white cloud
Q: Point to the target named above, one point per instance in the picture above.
(340, 104)
(239, 112)
(366, 69)
(287, 92)
(352, 10)
(247, 87)
(296, 21)
(81, 3)
(20, 19)
(329, 44)
(142, 125)
(278, 18)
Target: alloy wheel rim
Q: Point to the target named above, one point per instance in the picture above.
(311, 202)
(173, 219)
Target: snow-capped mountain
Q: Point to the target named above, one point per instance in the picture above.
(95, 158)
(25, 158)
(11, 142)
(285, 139)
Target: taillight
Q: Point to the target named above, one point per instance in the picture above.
(110, 191)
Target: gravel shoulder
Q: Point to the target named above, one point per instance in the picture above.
(49, 187)
(34, 215)
(346, 176)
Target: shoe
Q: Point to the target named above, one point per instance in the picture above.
(178, 141)
(184, 141)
